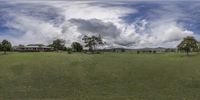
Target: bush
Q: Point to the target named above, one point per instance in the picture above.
(76, 47)
(69, 52)
(150, 51)
(123, 50)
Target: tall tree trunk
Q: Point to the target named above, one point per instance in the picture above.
(57, 50)
(90, 48)
(187, 53)
(4, 49)
(94, 47)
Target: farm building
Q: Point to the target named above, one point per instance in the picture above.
(33, 48)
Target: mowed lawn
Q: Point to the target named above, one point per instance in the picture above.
(107, 76)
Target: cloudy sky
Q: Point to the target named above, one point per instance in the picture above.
(125, 23)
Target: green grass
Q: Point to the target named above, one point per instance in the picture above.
(108, 76)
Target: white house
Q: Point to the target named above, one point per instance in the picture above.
(33, 48)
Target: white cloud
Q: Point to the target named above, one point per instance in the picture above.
(38, 27)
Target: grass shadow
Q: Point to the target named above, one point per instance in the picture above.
(190, 55)
(3, 54)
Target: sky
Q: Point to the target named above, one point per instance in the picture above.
(121, 23)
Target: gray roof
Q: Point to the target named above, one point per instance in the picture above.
(35, 46)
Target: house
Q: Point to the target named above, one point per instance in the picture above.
(33, 48)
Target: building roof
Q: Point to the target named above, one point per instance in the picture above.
(34, 46)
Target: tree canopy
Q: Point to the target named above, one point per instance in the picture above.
(76, 47)
(5, 46)
(188, 44)
(92, 41)
(58, 44)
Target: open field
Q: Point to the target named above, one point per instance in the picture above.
(108, 76)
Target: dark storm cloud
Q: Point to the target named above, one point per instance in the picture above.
(95, 26)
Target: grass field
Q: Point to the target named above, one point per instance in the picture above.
(108, 76)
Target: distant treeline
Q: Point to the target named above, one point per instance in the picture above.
(92, 44)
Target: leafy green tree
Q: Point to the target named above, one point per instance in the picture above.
(188, 44)
(77, 47)
(6, 46)
(58, 44)
(88, 42)
(92, 42)
(69, 50)
(21, 46)
(1, 47)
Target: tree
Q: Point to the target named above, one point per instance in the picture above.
(20, 45)
(1, 47)
(69, 50)
(188, 44)
(76, 47)
(6, 46)
(88, 42)
(92, 42)
(58, 44)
